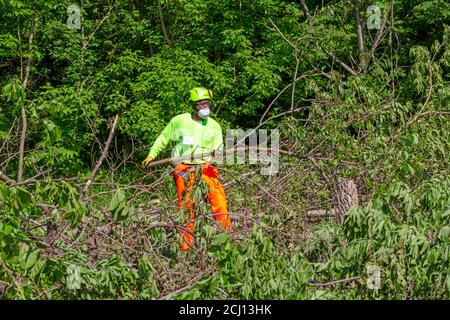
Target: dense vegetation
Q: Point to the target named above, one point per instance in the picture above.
(350, 100)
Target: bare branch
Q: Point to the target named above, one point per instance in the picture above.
(321, 213)
(341, 63)
(379, 35)
(22, 111)
(283, 36)
(294, 81)
(5, 178)
(103, 155)
(306, 11)
(325, 284)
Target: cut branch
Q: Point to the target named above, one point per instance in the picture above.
(321, 213)
(360, 30)
(380, 32)
(330, 283)
(102, 157)
(22, 144)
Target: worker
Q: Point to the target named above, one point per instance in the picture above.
(194, 132)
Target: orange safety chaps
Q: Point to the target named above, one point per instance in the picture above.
(216, 197)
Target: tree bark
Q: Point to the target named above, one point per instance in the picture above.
(344, 196)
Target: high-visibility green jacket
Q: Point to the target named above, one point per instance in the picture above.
(191, 137)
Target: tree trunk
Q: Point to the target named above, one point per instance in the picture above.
(25, 81)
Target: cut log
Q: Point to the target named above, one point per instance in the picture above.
(344, 196)
(321, 213)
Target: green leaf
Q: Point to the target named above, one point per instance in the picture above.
(444, 232)
(117, 206)
(4, 193)
(28, 259)
(411, 140)
(407, 170)
(219, 239)
(24, 198)
(448, 283)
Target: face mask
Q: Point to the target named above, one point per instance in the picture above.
(204, 113)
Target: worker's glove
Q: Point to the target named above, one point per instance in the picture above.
(147, 161)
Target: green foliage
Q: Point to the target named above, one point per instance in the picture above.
(377, 114)
(23, 255)
(119, 207)
(403, 233)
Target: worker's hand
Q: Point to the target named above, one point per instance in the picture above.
(147, 161)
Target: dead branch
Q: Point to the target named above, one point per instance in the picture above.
(269, 119)
(283, 36)
(330, 283)
(27, 181)
(102, 157)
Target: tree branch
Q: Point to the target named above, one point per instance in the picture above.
(360, 33)
(325, 284)
(283, 36)
(379, 35)
(232, 150)
(5, 178)
(102, 157)
(341, 63)
(306, 11)
(22, 111)
(163, 25)
(297, 62)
